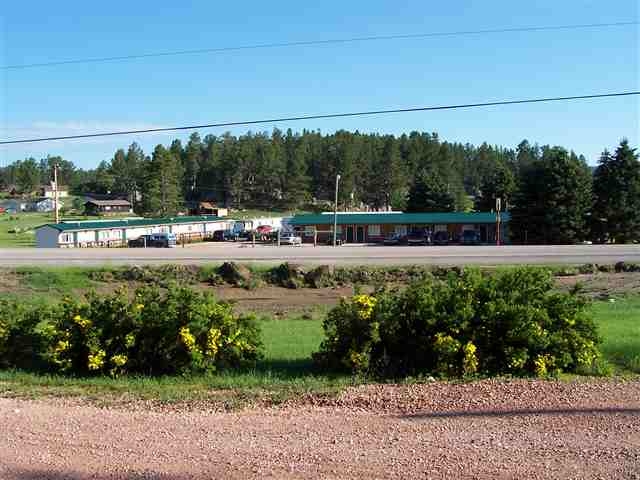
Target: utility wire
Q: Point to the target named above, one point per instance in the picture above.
(317, 42)
(321, 116)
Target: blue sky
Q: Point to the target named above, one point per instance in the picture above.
(250, 84)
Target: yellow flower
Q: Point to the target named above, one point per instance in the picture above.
(470, 361)
(365, 304)
(96, 360)
(213, 341)
(139, 306)
(62, 346)
(129, 340)
(119, 360)
(187, 339)
(82, 322)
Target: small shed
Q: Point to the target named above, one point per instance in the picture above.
(207, 208)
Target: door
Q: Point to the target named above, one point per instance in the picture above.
(360, 235)
(350, 234)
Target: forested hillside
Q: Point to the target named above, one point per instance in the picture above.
(549, 189)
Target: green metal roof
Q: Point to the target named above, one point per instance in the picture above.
(133, 222)
(400, 218)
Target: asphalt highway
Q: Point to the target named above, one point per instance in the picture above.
(345, 255)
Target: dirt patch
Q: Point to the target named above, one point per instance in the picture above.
(282, 301)
(601, 286)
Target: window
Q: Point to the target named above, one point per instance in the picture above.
(66, 238)
(401, 229)
(103, 234)
(374, 230)
(309, 231)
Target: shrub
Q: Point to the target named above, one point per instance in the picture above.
(180, 331)
(511, 322)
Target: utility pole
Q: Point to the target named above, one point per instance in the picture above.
(335, 213)
(498, 208)
(55, 192)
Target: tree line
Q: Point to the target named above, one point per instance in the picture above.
(551, 192)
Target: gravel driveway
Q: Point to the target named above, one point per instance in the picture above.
(487, 429)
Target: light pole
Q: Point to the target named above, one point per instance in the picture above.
(498, 219)
(335, 213)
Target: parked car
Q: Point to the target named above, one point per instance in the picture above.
(417, 237)
(394, 239)
(470, 237)
(154, 240)
(290, 239)
(441, 238)
(219, 236)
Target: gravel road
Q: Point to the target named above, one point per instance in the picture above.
(488, 429)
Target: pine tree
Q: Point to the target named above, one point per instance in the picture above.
(616, 188)
(554, 199)
(498, 184)
(162, 194)
(192, 160)
(429, 193)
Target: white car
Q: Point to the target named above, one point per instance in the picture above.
(290, 239)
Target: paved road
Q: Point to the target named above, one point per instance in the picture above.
(210, 252)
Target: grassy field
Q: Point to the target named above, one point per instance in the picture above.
(18, 230)
(619, 324)
(287, 371)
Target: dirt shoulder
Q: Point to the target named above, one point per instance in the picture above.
(487, 429)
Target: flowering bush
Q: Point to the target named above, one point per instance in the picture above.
(511, 322)
(180, 331)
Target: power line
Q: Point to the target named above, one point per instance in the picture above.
(308, 43)
(321, 116)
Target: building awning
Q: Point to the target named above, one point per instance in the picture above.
(399, 218)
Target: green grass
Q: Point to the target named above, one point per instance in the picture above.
(619, 324)
(26, 223)
(284, 373)
(54, 280)
(286, 370)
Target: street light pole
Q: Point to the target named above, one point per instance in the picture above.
(335, 213)
(55, 192)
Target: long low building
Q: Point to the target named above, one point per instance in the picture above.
(373, 227)
(111, 233)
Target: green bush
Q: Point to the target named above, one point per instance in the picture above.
(511, 322)
(180, 331)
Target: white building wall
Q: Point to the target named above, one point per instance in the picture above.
(86, 236)
(137, 232)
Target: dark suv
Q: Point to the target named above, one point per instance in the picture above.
(417, 237)
(470, 237)
(441, 238)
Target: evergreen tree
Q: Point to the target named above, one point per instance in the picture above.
(162, 192)
(27, 175)
(429, 193)
(192, 160)
(498, 184)
(554, 199)
(296, 182)
(616, 188)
